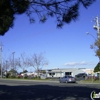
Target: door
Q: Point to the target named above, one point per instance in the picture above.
(64, 78)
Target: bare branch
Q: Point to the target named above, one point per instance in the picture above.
(38, 61)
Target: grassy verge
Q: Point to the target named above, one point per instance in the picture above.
(90, 81)
(26, 79)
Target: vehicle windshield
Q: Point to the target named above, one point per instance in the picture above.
(70, 77)
(82, 74)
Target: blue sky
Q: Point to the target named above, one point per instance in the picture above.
(64, 48)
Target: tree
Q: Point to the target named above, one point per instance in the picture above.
(13, 72)
(6, 66)
(23, 62)
(12, 62)
(8, 9)
(25, 71)
(97, 68)
(38, 61)
(64, 10)
(96, 47)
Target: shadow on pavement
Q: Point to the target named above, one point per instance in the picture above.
(45, 92)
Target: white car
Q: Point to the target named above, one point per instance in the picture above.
(67, 79)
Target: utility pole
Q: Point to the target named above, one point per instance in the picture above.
(1, 58)
(97, 27)
(46, 70)
(97, 40)
(13, 60)
(6, 65)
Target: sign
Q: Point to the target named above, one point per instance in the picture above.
(94, 95)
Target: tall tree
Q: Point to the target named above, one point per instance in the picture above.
(38, 61)
(6, 66)
(13, 72)
(23, 62)
(97, 48)
(97, 68)
(12, 62)
(64, 10)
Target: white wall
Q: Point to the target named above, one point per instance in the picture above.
(59, 74)
(56, 74)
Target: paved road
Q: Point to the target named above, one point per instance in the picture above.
(49, 90)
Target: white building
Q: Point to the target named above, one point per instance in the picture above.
(56, 73)
(28, 73)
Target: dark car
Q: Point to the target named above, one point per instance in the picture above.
(67, 79)
(81, 75)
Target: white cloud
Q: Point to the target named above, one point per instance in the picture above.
(78, 63)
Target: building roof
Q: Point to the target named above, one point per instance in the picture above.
(64, 70)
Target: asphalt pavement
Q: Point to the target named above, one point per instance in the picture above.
(45, 90)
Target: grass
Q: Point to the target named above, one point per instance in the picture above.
(26, 79)
(90, 81)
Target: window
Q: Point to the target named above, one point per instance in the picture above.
(68, 73)
(81, 75)
(66, 77)
(51, 74)
(49, 70)
(70, 77)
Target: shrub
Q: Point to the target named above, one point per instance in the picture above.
(8, 75)
(96, 78)
(18, 77)
(13, 76)
(26, 77)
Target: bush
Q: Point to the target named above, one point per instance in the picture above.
(13, 76)
(36, 77)
(96, 78)
(26, 77)
(18, 77)
(92, 79)
(8, 75)
(31, 77)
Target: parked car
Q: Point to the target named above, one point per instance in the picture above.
(67, 79)
(83, 75)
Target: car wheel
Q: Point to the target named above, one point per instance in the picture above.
(59, 81)
(75, 82)
(66, 82)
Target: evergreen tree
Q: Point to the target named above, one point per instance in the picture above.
(97, 68)
(63, 10)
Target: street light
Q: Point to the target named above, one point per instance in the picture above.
(91, 35)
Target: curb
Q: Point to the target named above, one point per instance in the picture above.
(55, 81)
(31, 80)
(87, 83)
